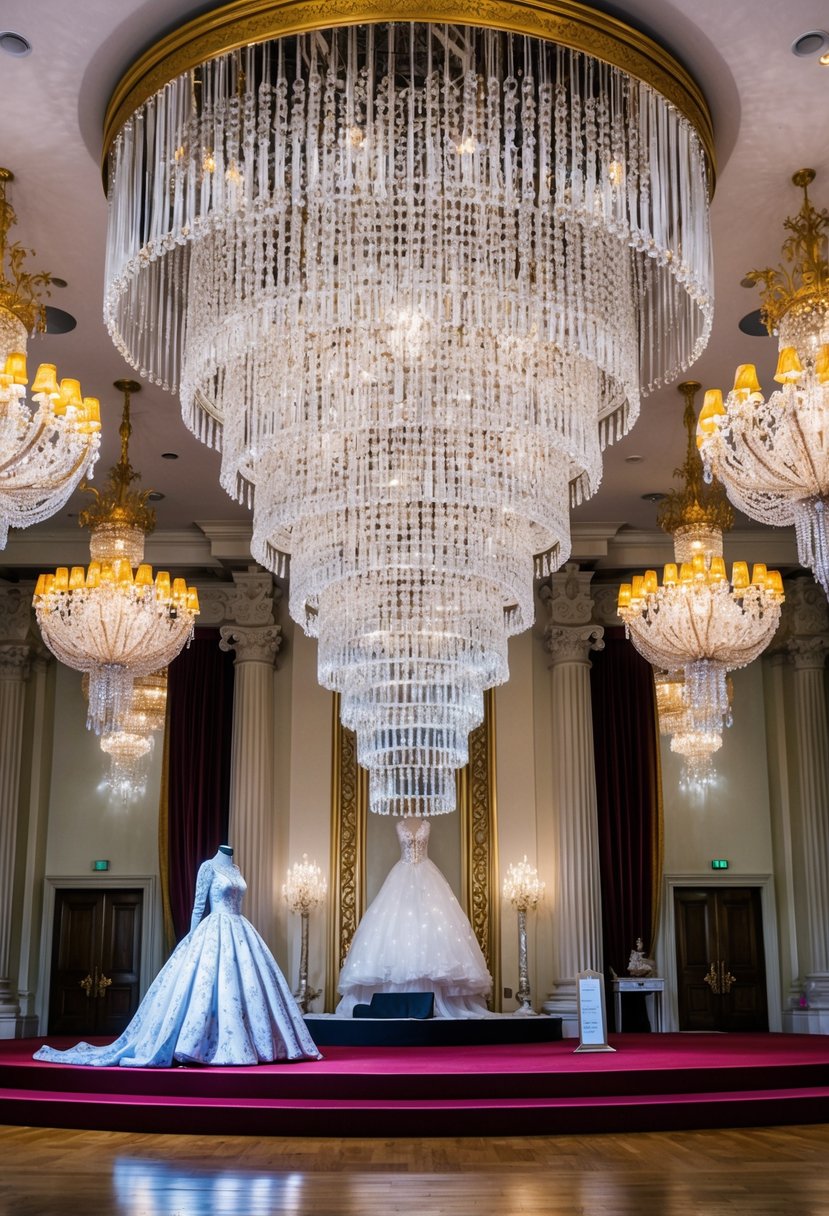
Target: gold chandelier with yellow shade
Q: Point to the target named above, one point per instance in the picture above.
(772, 455)
(115, 619)
(49, 438)
(697, 620)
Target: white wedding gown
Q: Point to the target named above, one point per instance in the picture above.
(415, 937)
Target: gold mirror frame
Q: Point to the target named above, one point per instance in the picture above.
(564, 22)
(477, 807)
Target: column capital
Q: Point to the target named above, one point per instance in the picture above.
(805, 614)
(573, 643)
(808, 652)
(15, 661)
(249, 600)
(15, 613)
(253, 644)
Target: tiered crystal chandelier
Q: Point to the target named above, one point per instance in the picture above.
(773, 456)
(697, 621)
(130, 745)
(108, 621)
(48, 443)
(678, 720)
(411, 279)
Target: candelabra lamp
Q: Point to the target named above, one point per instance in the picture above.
(523, 889)
(303, 891)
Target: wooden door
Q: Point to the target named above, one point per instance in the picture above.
(96, 959)
(721, 972)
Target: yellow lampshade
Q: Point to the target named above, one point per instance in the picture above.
(92, 414)
(788, 366)
(774, 582)
(745, 381)
(739, 576)
(162, 586)
(93, 574)
(712, 410)
(107, 573)
(62, 579)
(716, 572)
(46, 380)
(122, 571)
(144, 575)
(193, 600)
(40, 585)
(758, 574)
(651, 582)
(16, 367)
(77, 578)
(698, 565)
(70, 394)
(686, 573)
(624, 595)
(669, 574)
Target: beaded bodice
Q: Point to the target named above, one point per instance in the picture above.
(413, 834)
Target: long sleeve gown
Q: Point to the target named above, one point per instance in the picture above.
(219, 999)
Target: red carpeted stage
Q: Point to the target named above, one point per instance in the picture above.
(653, 1082)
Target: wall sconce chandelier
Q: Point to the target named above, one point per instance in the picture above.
(698, 621)
(410, 276)
(114, 621)
(303, 891)
(773, 455)
(523, 889)
(50, 442)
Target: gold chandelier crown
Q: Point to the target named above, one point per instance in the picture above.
(803, 286)
(20, 290)
(697, 504)
(117, 505)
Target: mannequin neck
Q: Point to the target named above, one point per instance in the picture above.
(225, 851)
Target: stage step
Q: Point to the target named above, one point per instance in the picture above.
(460, 1117)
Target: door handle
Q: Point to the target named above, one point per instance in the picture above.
(726, 979)
(103, 984)
(86, 984)
(712, 979)
(719, 979)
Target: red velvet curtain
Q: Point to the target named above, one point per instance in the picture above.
(629, 792)
(196, 776)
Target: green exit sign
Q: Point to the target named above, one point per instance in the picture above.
(719, 863)
(100, 865)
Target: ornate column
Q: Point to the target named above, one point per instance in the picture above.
(570, 636)
(252, 766)
(15, 657)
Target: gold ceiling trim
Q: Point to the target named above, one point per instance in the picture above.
(565, 22)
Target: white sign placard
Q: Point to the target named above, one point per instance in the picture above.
(592, 1016)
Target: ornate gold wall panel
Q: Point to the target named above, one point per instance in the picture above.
(479, 846)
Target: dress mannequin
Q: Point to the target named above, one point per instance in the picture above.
(219, 999)
(415, 937)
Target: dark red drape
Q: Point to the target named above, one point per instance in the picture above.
(199, 725)
(628, 788)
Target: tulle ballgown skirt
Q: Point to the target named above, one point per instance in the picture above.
(219, 999)
(415, 938)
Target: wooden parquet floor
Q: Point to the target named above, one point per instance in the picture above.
(756, 1172)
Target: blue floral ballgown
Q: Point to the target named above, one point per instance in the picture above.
(219, 999)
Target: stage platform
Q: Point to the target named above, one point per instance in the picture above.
(330, 1031)
(652, 1082)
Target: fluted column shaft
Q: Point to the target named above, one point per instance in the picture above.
(252, 766)
(14, 670)
(812, 735)
(577, 895)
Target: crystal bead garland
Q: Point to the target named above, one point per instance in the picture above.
(417, 305)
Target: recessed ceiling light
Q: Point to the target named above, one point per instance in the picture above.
(633, 459)
(813, 42)
(752, 325)
(747, 282)
(169, 455)
(14, 44)
(654, 496)
(54, 281)
(155, 496)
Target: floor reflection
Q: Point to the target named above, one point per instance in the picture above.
(156, 1188)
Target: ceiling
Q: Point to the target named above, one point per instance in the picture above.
(770, 110)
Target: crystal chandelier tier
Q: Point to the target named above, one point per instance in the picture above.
(111, 620)
(773, 455)
(697, 620)
(130, 744)
(410, 279)
(50, 441)
(677, 719)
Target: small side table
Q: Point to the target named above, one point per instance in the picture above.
(652, 988)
